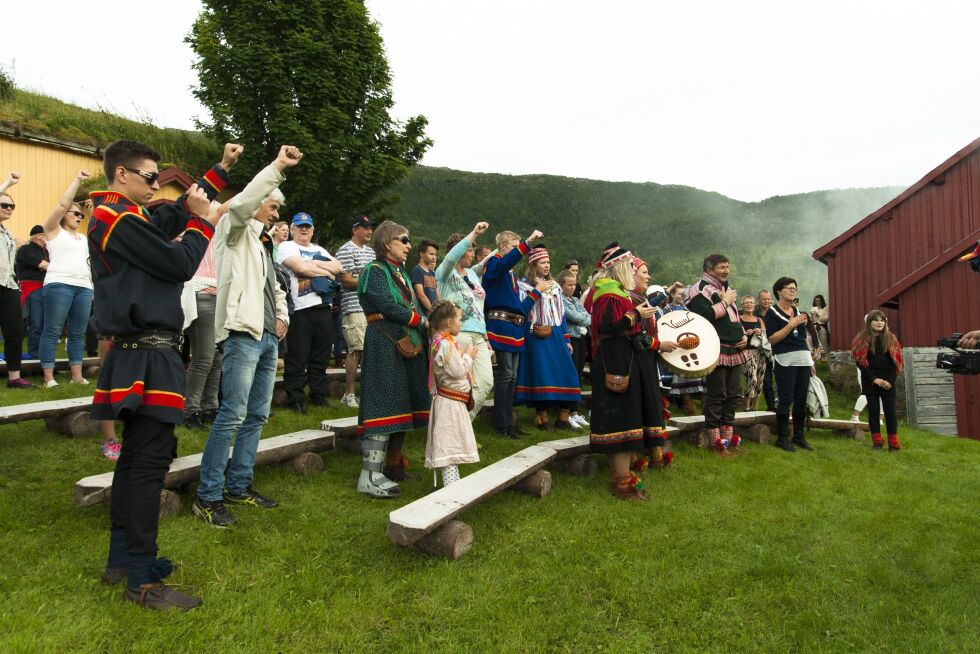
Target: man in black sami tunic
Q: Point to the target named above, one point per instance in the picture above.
(138, 268)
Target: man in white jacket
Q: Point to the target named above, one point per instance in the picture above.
(251, 317)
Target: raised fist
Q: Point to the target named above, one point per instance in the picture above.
(83, 175)
(14, 178)
(230, 156)
(481, 227)
(198, 204)
(535, 235)
(289, 156)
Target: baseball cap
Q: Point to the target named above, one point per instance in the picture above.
(303, 218)
(361, 221)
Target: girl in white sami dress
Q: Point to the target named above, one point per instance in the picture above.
(450, 440)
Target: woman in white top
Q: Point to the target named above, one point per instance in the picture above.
(67, 284)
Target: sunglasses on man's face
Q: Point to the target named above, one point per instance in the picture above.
(150, 178)
(77, 214)
(404, 240)
(8, 206)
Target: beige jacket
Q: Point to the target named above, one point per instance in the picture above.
(241, 261)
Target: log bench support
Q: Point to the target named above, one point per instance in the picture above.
(297, 451)
(74, 424)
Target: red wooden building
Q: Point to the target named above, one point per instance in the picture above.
(903, 259)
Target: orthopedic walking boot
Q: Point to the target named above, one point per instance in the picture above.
(893, 444)
(877, 442)
(371, 481)
(160, 597)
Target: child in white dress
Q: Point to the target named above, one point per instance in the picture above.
(450, 440)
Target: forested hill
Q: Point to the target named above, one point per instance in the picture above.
(671, 227)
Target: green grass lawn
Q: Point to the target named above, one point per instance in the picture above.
(841, 549)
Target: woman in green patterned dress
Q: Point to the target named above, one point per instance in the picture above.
(394, 366)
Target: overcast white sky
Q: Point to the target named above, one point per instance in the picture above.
(750, 99)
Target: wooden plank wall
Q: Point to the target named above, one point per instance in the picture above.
(929, 391)
(45, 174)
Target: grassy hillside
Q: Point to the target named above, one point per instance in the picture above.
(671, 227)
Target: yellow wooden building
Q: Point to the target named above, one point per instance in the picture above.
(47, 165)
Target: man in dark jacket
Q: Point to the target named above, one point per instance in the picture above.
(138, 268)
(31, 265)
(711, 298)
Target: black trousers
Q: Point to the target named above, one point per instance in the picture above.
(767, 391)
(874, 411)
(724, 390)
(792, 384)
(12, 326)
(148, 449)
(310, 338)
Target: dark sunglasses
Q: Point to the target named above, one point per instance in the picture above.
(79, 214)
(8, 207)
(149, 177)
(405, 240)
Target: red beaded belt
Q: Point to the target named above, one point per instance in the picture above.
(459, 396)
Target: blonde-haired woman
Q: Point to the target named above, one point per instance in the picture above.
(68, 288)
(622, 413)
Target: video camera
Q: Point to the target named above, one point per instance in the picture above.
(958, 362)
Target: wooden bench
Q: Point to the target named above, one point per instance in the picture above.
(575, 454)
(757, 426)
(69, 417)
(298, 450)
(33, 366)
(429, 523)
(336, 384)
(751, 425)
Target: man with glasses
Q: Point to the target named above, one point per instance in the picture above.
(138, 268)
(311, 330)
(711, 298)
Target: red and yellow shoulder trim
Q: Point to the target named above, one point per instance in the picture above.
(524, 248)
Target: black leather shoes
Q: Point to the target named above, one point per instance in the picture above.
(160, 597)
(801, 443)
(783, 443)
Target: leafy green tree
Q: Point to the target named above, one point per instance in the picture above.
(311, 74)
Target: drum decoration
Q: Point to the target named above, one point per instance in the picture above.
(698, 345)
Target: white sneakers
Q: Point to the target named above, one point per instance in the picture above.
(82, 381)
(349, 399)
(50, 383)
(855, 418)
(578, 421)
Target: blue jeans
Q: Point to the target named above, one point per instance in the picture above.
(248, 375)
(35, 322)
(504, 386)
(65, 303)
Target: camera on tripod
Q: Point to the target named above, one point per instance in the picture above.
(958, 362)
